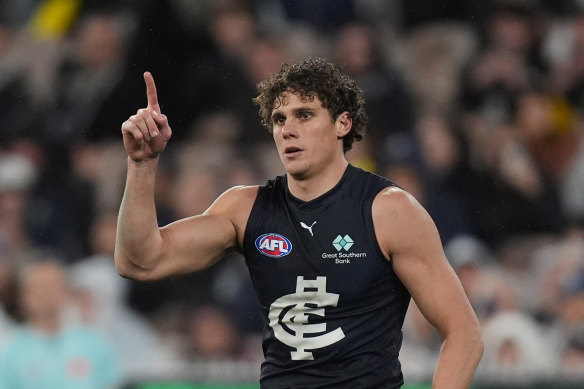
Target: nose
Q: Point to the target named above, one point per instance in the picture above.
(289, 128)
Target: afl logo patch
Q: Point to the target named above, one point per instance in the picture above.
(273, 245)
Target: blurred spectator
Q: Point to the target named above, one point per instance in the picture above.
(516, 350)
(101, 299)
(446, 175)
(197, 183)
(561, 267)
(430, 164)
(388, 104)
(548, 126)
(49, 351)
(432, 58)
(92, 87)
(97, 165)
(216, 346)
(510, 194)
(479, 274)
(213, 336)
(217, 75)
(507, 64)
(18, 175)
(556, 264)
(60, 206)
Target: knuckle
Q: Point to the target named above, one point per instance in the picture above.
(127, 125)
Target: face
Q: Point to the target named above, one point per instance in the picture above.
(306, 135)
(44, 290)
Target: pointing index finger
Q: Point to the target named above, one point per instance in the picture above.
(151, 92)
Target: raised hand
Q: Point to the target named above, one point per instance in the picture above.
(147, 132)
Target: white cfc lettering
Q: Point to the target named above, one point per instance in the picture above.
(310, 299)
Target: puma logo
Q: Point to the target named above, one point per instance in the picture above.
(303, 225)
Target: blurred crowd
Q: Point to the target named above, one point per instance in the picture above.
(475, 108)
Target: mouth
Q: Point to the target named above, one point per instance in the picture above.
(291, 151)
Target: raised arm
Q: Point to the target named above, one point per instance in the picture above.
(409, 237)
(143, 250)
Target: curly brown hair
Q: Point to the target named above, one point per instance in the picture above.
(323, 79)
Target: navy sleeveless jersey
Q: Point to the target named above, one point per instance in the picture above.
(333, 308)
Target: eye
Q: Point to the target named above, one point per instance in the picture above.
(305, 115)
(278, 119)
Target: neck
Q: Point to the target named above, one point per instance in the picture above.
(311, 187)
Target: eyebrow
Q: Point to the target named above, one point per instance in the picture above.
(295, 111)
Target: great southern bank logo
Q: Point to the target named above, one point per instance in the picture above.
(343, 256)
(343, 242)
(273, 245)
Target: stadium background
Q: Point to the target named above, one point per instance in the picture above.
(475, 108)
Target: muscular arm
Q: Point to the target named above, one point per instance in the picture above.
(409, 237)
(143, 250)
(146, 252)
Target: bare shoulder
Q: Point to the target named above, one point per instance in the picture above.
(400, 220)
(234, 201)
(235, 204)
(396, 203)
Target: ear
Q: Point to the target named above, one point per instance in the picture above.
(343, 124)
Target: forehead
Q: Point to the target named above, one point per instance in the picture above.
(291, 100)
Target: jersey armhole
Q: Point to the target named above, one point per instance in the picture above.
(256, 215)
(370, 226)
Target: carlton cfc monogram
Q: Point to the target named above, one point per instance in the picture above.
(310, 299)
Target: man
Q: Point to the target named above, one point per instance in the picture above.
(334, 252)
(48, 351)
